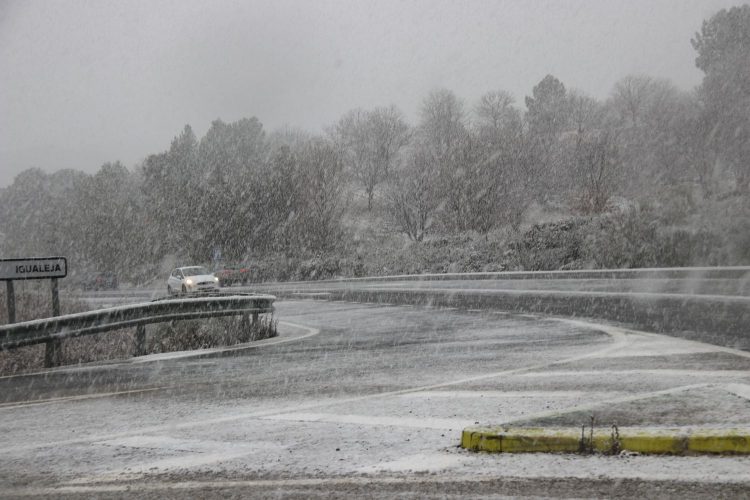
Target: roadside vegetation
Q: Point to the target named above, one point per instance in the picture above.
(33, 303)
(653, 175)
(205, 334)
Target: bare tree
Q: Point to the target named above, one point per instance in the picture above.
(412, 197)
(595, 169)
(292, 137)
(656, 141)
(467, 184)
(593, 158)
(630, 96)
(585, 112)
(351, 137)
(442, 122)
(390, 133)
(369, 142)
(495, 114)
(505, 178)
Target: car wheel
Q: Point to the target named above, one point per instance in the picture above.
(169, 290)
(184, 289)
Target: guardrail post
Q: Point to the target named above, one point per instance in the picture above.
(255, 333)
(250, 328)
(53, 348)
(140, 340)
(53, 353)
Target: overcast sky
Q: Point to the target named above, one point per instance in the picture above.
(85, 82)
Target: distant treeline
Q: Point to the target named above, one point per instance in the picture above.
(463, 167)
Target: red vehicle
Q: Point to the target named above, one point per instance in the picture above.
(101, 281)
(233, 274)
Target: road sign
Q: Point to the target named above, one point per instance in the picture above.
(33, 269)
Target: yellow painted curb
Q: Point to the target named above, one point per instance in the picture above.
(680, 441)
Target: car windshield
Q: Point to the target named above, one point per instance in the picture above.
(194, 271)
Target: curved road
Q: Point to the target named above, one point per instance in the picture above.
(363, 399)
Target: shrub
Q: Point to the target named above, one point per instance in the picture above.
(205, 334)
(552, 245)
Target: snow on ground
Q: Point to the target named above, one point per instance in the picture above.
(377, 390)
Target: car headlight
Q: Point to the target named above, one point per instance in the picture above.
(216, 279)
(189, 281)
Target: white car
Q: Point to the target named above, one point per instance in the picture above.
(191, 279)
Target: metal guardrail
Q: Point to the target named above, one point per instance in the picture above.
(52, 330)
(688, 273)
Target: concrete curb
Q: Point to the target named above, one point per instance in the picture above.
(651, 441)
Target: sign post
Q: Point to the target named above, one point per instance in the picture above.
(36, 268)
(11, 301)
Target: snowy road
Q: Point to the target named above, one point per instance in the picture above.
(705, 304)
(370, 399)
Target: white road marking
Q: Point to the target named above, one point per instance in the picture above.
(623, 399)
(450, 424)
(635, 371)
(506, 394)
(192, 453)
(241, 347)
(741, 390)
(420, 462)
(698, 344)
(35, 402)
(656, 344)
(415, 422)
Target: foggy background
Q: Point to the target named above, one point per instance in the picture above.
(87, 82)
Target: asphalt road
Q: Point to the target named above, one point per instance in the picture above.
(705, 304)
(369, 400)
